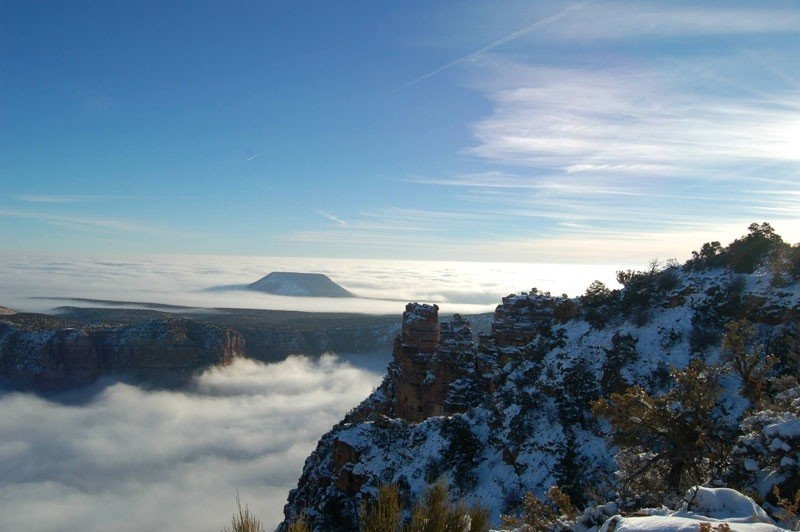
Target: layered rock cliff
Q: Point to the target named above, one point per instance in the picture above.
(49, 352)
(270, 335)
(79, 345)
(512, 415)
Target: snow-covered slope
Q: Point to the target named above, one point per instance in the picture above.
(511, 415)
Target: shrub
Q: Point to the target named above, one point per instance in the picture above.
(669, 442)
(578, 390)
(461, 452)
(244, 521)
(705, 332)
(564, 310)
(298, 525)
(622, 353)
(437, 513)
(542, 515)
(599, 304)
(745, 253)
(384, 513)
(709, 256)
(789, 509)
(668, 279)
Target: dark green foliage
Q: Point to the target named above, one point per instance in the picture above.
(621, 353)
(579, 389)
(669, 442)
(705, 333)
(599, 304)
(433, 470)
(711, 255)
(659, 379)
(546, 341)
(638, 288)
(641, 289)
(668, 279)
(564, 310)
(570, 471)
(462, 452)
(743, 255)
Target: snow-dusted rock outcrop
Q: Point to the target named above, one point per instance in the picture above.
(522, 420)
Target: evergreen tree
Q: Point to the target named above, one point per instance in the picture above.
(669, 442)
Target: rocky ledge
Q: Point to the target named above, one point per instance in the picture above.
(513, 414)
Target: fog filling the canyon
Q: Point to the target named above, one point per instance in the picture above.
(118, 457)
(122, 458)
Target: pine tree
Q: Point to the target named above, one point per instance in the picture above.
(669, 442)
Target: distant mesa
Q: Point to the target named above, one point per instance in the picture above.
(299, 284)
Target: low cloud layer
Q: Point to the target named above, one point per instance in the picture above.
(127, 459)
(383, 287)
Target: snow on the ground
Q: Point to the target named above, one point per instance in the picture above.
(719, 507)
(662, 523)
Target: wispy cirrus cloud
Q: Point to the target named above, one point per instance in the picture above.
(65, 198)
(641, 129)
(331, 217)
(595, 140)
(81, 223)
(618, 20)
(630, 121)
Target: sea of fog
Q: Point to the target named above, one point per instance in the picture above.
(116, 457)
(383, 287)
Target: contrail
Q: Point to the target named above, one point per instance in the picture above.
(495, 44)
(331, 217)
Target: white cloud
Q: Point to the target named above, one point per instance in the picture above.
(499, 42)
(631, 20)
(79, 223)
(331, 217)
(630, 120)
(168, 460)
(63, 198)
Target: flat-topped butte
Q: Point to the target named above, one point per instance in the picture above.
(299, 284)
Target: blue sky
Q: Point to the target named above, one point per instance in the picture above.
(504, 131)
